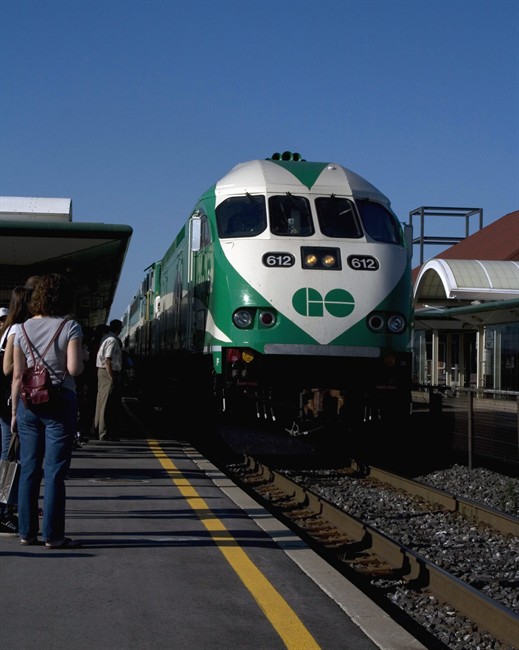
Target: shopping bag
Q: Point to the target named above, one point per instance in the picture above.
(9, 478)
(10, 472)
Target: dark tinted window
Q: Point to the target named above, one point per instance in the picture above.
(241, 216)
(290, 216)
(379, 223)
(205, 233)
(337, 217)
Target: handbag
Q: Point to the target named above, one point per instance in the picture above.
(10, 474)
(36, 383)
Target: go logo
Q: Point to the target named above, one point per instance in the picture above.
(309, 302)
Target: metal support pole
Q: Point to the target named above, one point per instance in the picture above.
(470, 438)
(435, 355)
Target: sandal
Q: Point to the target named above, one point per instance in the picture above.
(30, 541)
(64, 544)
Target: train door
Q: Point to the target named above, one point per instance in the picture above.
(178, 325)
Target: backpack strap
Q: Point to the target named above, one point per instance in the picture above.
(56, 334)
(30, 345)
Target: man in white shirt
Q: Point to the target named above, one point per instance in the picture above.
(109, 363)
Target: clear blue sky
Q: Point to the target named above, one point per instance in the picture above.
(134, 108)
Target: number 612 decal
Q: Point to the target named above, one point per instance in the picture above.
(278, 259)
(362, 263)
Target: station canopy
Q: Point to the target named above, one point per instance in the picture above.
(475, 292)
(37, 236)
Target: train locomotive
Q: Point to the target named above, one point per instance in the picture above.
(286, 296)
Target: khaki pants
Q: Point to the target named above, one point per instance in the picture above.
(107, 391)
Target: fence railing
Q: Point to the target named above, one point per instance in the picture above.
(481, 423)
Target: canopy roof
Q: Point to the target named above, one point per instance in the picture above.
(444, 281)
(22, 208)
(91, 255)
(471, 292)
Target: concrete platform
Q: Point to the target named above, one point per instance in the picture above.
(176, 556)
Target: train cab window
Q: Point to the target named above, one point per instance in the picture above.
(290, 216)
(241, 216)
(205, 233)
(379, 223)
(337, 217)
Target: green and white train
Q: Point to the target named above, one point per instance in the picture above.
(287, 294)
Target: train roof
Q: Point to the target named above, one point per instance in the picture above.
(90, 254)
(255, 176)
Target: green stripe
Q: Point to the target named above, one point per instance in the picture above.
(305, 172)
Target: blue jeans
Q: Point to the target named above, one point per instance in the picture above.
(46, 440)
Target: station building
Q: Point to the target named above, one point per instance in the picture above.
(467, 307)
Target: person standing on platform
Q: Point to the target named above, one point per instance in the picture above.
(18, 312)
(5, 388)
(8, 520)
(109, 363)
(90, 375)
(47, 431)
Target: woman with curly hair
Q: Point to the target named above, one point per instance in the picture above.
(47, 430)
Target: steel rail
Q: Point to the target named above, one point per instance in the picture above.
(369, 551)
(504, 523)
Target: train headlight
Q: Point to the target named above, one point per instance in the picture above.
(267, 318)
(381, 321)
(375, 322)
(310, 260)
(396, 324)
(320, 257)
(242, 318)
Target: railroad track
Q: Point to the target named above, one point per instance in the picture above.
(477, 512)
(369, 552)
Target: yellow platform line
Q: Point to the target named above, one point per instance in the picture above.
(285, 621)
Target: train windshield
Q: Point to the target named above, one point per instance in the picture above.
(290, 215)
(241, 216)
(379, 223)
(337, 217)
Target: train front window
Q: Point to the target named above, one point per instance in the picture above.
(337, 217)
(241, 216)
(379, 223)
(290, 216)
